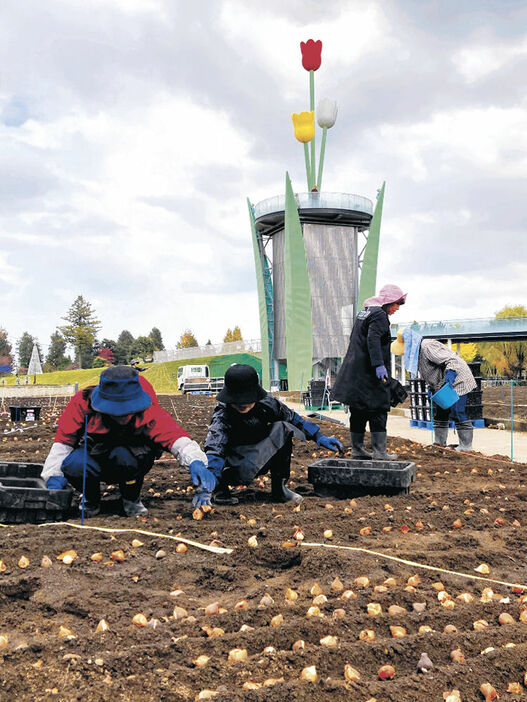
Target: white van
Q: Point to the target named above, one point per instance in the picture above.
(192, 374)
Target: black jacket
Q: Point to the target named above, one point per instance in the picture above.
(356, 384)
(228, 427)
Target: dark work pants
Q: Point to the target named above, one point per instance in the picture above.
(457, 412)
(279, 464)
(118, 466)
(359, 419)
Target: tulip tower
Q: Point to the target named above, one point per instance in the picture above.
(316, 257)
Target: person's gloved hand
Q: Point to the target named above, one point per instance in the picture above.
(202, 497)
(450, 376)
(381, 372)
(329, 442)
(56, 482)
(429, 393)
(216, 464)
(202, 476)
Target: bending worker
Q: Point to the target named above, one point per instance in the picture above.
(438, 365)
(125, 429)
(363, 382)
(250, 433)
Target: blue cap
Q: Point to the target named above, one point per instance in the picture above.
(119, 392)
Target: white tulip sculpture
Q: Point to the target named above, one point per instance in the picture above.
(326, 118)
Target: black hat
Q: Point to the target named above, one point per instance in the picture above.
(241, 386)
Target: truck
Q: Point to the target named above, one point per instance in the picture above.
(195, 379)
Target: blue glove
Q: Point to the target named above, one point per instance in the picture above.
(450, 376)
(329, 442)
(202, 497)
(216, 464)
(202, 476)
(429, 393)
(381, 372)
(56, 482)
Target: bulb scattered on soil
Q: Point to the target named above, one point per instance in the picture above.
(386, 672)
(350, 673)
(237, 654)
(181, 548)
(4, 641)
(23, 562)
(139, 620)
(97, 557)
(101, 626)
(309, 674)
(45, 562)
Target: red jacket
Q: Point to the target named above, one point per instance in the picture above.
(154, 424)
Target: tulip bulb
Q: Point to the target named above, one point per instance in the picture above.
(398, 632)
(181, 548)
(45, 562)
(213, 608)
(328, 534)
(139, 620)
(23, 562)
(367, 635)
(309, 674)
(119, 555)
(452, 696)
(179, 613)
(266, 601)
(457, 655)
(277, 621)
(3, 566)
(336, 585)
(101, 627)
(328, 641)
(386, 672)
(505, 618)
(241, 604)
(313, 612)
(291, 595)
(361, 581)
(201, 661)
(374, 609)
(252, 541)
(4, 641)
(65, 633)
(483, 568)
(316, 590)
(350, 673)
(96, 557)
(320, 599)
(299, 645)
(488, 692)
(480, 625)
(237, 654)
(136, 543)
(514, 688)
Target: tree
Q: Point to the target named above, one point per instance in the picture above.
(157, 339)
(6, 359)
(187, 340)
(56, 358)
(233, 334)
(468, 352)
(24, 349)
(507, 358)
(142, 346)
(108, 344)
(106, 355)
(81, 331)
(122, 351)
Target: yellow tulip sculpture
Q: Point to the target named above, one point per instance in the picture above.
(304, 124)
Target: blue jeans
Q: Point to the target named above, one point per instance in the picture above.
(118, 466)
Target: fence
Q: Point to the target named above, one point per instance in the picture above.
(228, 347)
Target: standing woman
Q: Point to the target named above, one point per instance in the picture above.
(362, 381)
(438, 365)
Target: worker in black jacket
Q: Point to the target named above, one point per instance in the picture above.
(250, 433)
(362, 382)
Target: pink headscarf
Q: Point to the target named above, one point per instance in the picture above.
(387, 294)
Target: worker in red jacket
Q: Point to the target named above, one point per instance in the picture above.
(125, 429)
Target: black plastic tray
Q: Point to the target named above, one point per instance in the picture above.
(25, 498)
(344, 477)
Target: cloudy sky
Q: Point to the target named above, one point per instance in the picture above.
(132, 132)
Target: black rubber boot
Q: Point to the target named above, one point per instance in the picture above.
(131, 495)
(281, 493)
(91, 508)
(134, 508)
(465, 431)
(357, 446)
(440, 432)
(222, 495)
(378, 444)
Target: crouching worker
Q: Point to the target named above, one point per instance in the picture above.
(124, 429)
(438, 365)
(251, 433)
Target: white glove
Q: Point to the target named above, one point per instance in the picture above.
(53, 463)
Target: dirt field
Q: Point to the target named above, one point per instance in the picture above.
(128, 663)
